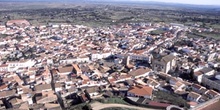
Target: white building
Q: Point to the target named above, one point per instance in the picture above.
(96, 56)
(192, 96)
(70, 61)
(13, 66)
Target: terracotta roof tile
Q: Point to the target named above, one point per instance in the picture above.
(141, 90)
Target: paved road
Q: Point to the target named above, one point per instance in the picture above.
(99, 106)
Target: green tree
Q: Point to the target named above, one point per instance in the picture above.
(87, 107)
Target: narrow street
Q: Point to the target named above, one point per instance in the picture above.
(60, 101)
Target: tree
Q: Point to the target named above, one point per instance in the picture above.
(173, 98)
(87, 107)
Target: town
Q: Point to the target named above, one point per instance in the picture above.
(147, 65)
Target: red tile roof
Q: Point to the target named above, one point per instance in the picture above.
(4, 86)
(4, 65)
(198, 73)
(141, 90)
(138, 72)
(196, 86)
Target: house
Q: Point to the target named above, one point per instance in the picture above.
(212, 81)
(3, 67)
(203, 90)
(139, 57)
(116, 77)
(140, 91)
(207, 71)
(153, 83)
(83, 59)
(179, 86)
(163, 63)
(93, 91)
(72, 60)
(198, 76)
(198, 73)
(29, 98)
(211, 94)
(192, 96)
(72, 89)
(23, 106)
(197, 88)
(2, 29)
(6, 94)
(177, 83)
(13, 66)
(8, 79)
(43, 87)
(58, 86)
(15, 101)
(65, 70)
(50, 97)
(173, 81)
(24, 90)
(3, 87)
(19, 89)
(120, 87)
(141, 72)
(96, 56)
(50, 106)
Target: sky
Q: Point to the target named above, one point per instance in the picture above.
(197, 2)
(194, 2)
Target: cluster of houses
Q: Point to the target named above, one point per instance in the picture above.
(57, 66)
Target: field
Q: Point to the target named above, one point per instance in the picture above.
(204, 35)
(106, 14)
(94, 14)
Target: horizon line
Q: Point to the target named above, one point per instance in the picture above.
(112, 1)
